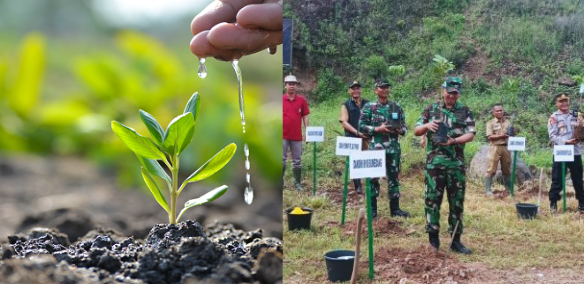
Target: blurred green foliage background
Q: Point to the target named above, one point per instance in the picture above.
(66, 72)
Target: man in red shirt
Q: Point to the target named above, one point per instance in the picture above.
(295, 111)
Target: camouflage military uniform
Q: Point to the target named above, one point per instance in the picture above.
(445, 166)
(375, 114)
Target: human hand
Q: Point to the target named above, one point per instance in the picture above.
(230, 29)
(432, 126)
(571, 141)
(450, 141)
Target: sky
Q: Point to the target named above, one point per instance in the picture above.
(132, 12)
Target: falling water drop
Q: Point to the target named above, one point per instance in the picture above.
(247, 165)
(247, 177)
(202, 68)
(246, 148)
(235, 64)
(248, 195)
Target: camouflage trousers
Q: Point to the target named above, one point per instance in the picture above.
(454, 181)
(392, 168)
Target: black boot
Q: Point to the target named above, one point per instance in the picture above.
(458, 247)
(553, 207)
(358, 188)
(373, 207)
(283, 173)
(394, 209)
(434, 239)
(297, 178)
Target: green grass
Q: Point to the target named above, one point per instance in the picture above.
(492, 230)
(497, 237)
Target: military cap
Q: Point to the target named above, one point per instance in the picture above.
(561, 97)
(354, 83)
(452, 84)
(381, 82)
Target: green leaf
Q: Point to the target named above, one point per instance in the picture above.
(193, 105)
(153, 126)
(26, 85)
(208, 197)
(154, 168)
(153, 186)
(213, 165)
(141, 145)
(179, 134)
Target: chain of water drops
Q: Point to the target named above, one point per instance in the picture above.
(202, 71)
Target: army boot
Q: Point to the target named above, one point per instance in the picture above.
(358, 188)
(508, 182)
(395, 210)
(553, 207)
(283, 174)
(434, 239)
(458, 247)
(488, 184)
(373, 207)
(297, 178)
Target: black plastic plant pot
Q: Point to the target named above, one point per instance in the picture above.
(339, 264)
(526, 210)
(441, 135)
(299, 221)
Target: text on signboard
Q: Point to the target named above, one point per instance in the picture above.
(368, 163)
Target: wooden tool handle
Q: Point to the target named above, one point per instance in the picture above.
(360, 221)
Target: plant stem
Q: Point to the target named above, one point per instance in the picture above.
(173, 191)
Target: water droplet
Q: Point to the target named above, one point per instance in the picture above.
(247, 177)
(270, 50)
(248, 195)
(235, 64)
(202, 68)
(247, 165)
(246, 148)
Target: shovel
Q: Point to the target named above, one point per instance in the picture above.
(360, 221)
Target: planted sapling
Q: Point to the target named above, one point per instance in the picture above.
(167, 147)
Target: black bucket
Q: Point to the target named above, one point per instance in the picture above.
(526, 210)
(339, 264)
(299, 221)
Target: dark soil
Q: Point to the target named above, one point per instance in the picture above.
(183, 253)
(423, 265)
(64, 221)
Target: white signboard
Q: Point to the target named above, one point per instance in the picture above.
(563, 153)
(367, 164)
(516, 144)
(315, 134)
(346, 145)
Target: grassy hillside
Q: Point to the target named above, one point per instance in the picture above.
(517, 52)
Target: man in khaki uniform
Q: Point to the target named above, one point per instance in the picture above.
(497, 134)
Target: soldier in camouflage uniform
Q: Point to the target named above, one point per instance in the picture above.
(445, 168)
(384, 121)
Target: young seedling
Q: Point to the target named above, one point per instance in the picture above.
(167, 147)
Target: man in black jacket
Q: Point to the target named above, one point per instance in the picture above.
(350, 111)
